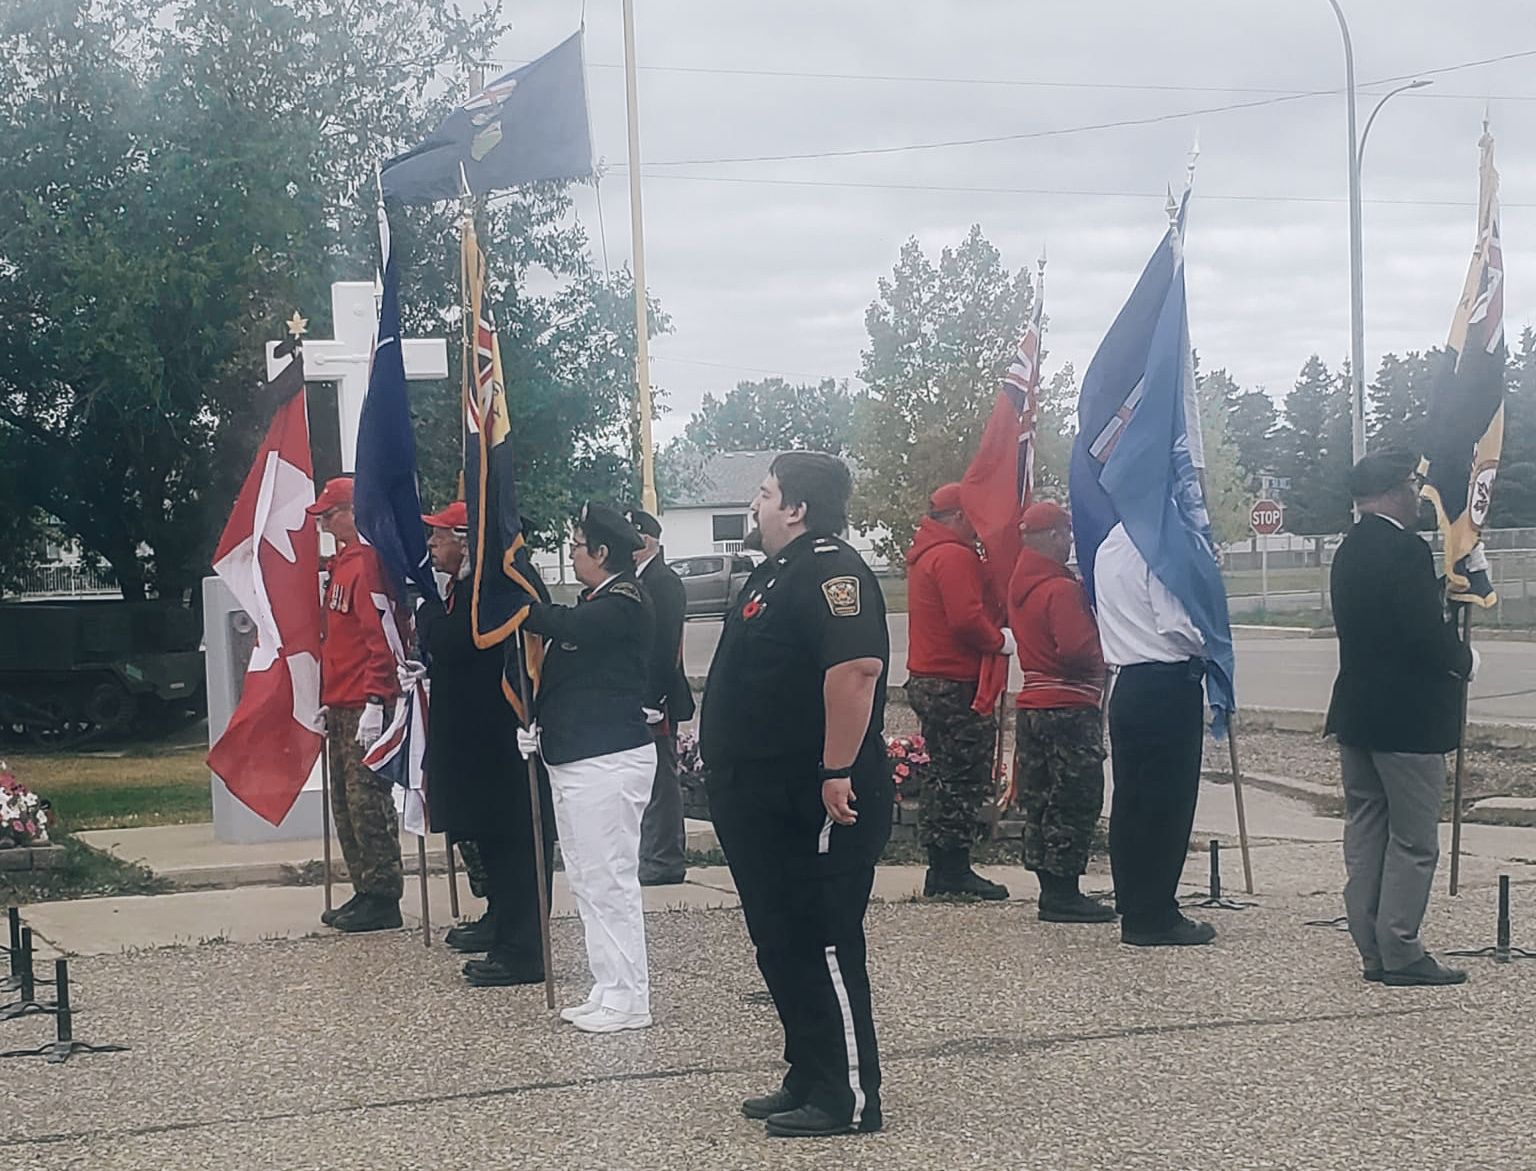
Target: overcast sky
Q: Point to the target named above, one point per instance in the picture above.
(767, 267)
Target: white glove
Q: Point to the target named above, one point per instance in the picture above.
(1010, 644)
(409, 673)
(1477, 558)
(652, 716)
(528, 741)
(1477, 661)
(370, 726)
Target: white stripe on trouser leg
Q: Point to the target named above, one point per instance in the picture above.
(850, 1038)
(601, 801)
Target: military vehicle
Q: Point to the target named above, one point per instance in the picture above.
(79, 669)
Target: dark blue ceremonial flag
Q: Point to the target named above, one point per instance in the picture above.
(386, 501)
(526, 126)
(1134, 460)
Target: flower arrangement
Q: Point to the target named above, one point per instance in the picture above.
(23, 814)
(910, 754)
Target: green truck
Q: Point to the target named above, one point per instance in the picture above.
(86, 668)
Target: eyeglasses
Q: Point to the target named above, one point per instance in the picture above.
(578, 545)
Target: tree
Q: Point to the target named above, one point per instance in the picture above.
(180, 177)
(1055, 429)
(1227, 493)
(1313, 449)
(940, 337)
(1399, 399)
(774, 415)
(1514, 495)
(1249, 421)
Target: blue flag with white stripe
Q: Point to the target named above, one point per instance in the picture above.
(1136, 456)
(386, 500)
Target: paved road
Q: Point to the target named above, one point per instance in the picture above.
(1284, 672)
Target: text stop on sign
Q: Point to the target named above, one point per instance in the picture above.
(1266, 517)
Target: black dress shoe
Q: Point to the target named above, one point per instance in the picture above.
(663, 879)
(1426, 971)
(1184, 933)
(807, 1121)
(473, 937)
(493, 973)
(329, 917)
(370, 913)
(1371, 975)
(778, 1102)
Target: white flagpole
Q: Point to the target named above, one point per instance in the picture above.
(637, 235)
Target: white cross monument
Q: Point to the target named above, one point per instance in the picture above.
(226, 630)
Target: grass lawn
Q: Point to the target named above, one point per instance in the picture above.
(140, 784)
(85, 873)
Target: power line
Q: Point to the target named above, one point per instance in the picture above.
(1021, 136)
(1072, 194)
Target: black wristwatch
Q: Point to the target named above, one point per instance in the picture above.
(835, 774)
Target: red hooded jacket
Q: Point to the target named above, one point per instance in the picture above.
(356, 660)
(1057, 636)
(950, 626)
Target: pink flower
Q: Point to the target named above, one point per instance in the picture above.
(919, 742)
(17, 826)
(902, 771)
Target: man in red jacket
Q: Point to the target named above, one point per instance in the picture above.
(950, 626)
(1059, 750)
(357, 680)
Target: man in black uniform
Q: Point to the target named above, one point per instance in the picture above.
(800, 789)
(668, 703)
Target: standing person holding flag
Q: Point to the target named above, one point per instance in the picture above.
(1148, 560)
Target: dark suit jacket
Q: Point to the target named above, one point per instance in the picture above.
(1401, 664)
(667, 685)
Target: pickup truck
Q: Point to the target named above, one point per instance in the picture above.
(712, 581)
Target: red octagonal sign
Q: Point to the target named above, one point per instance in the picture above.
(1266, 517)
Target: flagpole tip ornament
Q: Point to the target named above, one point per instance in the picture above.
(297, 326)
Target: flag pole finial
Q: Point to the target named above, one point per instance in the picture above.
(1040, 264)
(1172, 207)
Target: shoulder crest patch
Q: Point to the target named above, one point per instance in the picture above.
(842, 594)
(625, 589)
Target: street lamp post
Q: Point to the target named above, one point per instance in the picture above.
(1356, 247)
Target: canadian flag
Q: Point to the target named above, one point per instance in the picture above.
(269, 557)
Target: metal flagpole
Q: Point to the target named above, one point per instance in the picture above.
(1461, 758)
(421, 869)
(535, 808)
(325, 814)
(1237, 793)
(637, 236)
(453, 879)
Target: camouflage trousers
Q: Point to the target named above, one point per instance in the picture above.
(363, 809)
(961, 744)
(1058, 767)
(474, 867)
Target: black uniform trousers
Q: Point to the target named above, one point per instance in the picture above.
(1156, 725)
(804, 885)
(512, 890)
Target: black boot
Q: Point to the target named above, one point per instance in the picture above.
(503, 971)
(475, 936)
(370, 913)
(1062, 902)
(950, 873)
(329, 917)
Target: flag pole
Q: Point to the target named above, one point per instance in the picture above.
(421, 869)
(325, 814)
(1237, 794)
(637, 235)
(1461, 757)
(541, 871)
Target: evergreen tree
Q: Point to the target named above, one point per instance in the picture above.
(1313, 449)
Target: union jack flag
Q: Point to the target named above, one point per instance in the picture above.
(399, 755)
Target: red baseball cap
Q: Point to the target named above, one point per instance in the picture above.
(946, 498)
(1043, 517)
(455, 516)
(337, 493)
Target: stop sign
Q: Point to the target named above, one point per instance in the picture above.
(1266, 517)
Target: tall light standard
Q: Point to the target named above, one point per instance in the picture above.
(1356, 262)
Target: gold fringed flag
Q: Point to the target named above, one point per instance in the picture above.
(1466, 410)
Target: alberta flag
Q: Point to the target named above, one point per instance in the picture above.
(1138, 453)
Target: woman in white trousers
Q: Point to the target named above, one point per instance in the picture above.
(592, 732)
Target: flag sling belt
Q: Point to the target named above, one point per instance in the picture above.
(364, 811)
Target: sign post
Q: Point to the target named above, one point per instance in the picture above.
(1266, 516)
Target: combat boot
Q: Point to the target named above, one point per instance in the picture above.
(370, 913)
(473, 937)
(950, 874)
(1062, 902)
(329, 917)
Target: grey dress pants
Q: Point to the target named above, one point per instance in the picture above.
(1391, 846)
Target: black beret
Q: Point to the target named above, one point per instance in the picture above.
(1379, 472)
(604, 524)
(648, 525)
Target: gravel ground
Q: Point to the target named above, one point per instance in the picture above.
(1006, 1042)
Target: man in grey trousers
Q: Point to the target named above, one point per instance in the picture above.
(1396, 711)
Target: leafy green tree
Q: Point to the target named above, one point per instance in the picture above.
(1249, 422)
(1514, 496)
(1227, 493)
(774, 415)
(1314, 450)
(1055, 429)
(180, 176)
(940, 337)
